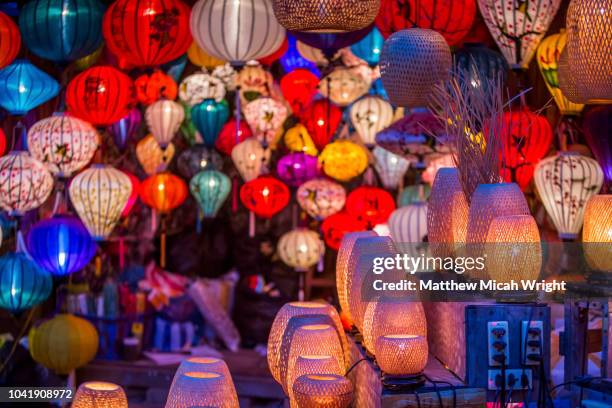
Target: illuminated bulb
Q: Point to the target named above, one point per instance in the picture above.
(265, 192)
(320, 122)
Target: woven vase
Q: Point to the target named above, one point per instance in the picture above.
(597, 232)
(323, 391)
(205, 364)
(311, 364)
(401, 354)
(197, 389)
(100, 394)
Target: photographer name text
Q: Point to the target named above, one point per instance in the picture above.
(482, 285)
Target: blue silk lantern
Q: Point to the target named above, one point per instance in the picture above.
(210, 189)
(478, 62)
(377, 88)
(292, 59)
(23, 283)
(209, 117)
(61, 245)
(62, 30)
(23, 87)
(369, 48)
(125, 128)
(176, 67)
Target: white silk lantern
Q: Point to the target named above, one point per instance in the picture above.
(370, 115)
(164, 119)
(250, 158)
(25, 183)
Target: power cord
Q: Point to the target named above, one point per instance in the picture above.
(354, 365)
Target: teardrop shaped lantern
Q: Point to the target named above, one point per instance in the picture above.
(63, 143)
(210, 189)
(147, 34)
(155, 86)
(343, 160)
(297, 139)
(343, 86)
(334, 227)
(300, 248)
(152, 157)
(10, 40)
(265, 196)
(250, 158)
(125, 128)
(299, 87)
(597, 128)
(321, 198)
(99, 195)
(565, 183)
(232, 134)
(209, 116)
(370, 115)
(480, 65)
(163, 192)
(198, 158)
(390, 167)
(23, 87)
(265, 116)
(321, 119)
(23, 284)
(200, 86)
(164, 119)
(297, 168)
(370, 204)
(369, 48)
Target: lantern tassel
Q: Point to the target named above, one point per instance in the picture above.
(301, 285)
(234, 194)
(162, 245)
(251, 224)
(199, 221)
(98, 266)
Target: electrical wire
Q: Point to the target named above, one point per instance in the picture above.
(436, 390)
(353, 366)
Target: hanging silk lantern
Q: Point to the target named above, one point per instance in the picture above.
(99, 195)
(480, 65)
(158, 85)
(2, 142)
(274, 56)
(230, 137)
(330, 43)
(369, 48)
(197, 158)
(297, 139)
(25, 183)
(10, 40)
(61, 30)
(548, 55)
(300, 248)
(164, 119)
(334, 227)
(210, 189)
(93, 393)
(63, 143)
(265, 116)
(322, 119)
(200, 86)
(565, 183)
(408, 227)
(61, 244)
(518, 28)
(390, 167)
(527, 138)
(133, 195)
(125, 128)
(236, 31)
(64, 343)
(413, 193)
(321, 198)
(322, 16)
(163, 192)
(202, 59)
(264, 196)
(292, 59)
(411, 63)
(597, 232)
(370, 115)
(343, 86)
(23, 87)
(343, 160)
(254, 81)
(297, 168)
(148, 33)
(152, 157)
(370, 204)
(597, 129)
(250, 158)
(299, 87)
(23, 284)
(209, 117)
(100, 95)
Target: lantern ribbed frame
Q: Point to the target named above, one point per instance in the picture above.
(99, 394)
(25, 183)
(208, 117)
(408, 227)
(201, 389)
(321, 198)
(23, 283)
(390, 167)
(10, 40)
(210, 188)
(401, 354)
(597, 232)
(370, 115)
(311, 364)
(565, 183)
(163, 192)
(343, 160)
(513, 249)
(392, 316)
(250, 158)
(36, 87)
(323, 391)
(204, 365)
(197, 87)
(164, 119)
(300, 248)
(152, 157)
(343, 86)
(413, 61)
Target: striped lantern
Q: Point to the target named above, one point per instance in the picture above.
(265, 116)
(236, 31)
(480, 65)
(370, 115)
(343, 86)
(390, 167)
(152, 157)
(10, 40)
(565, 183)
(164, 119)
(23, 87)
(25, 183)
(321, 198)
(250, 158)
(63, 143)
(518, 27)
(210, 189)
(408, 227)
(99, 195)
(209, 116)
(23, 284)
(300, 248)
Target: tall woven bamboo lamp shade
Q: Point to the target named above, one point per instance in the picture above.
(205, 365)
(323, 391)
(100, 394)
(401, 354)
(567, 82)
(597, 232)
(311, 364)
(201, 389)
(411, 62)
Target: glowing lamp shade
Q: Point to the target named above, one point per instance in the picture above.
(300, 248)
(411, 63)
(299, 87)
(201, 389)
(597, 232)
(209, 116)
(64, 343)
(205, 365)
(321, 198)
(370, 204)
(343, 86)
(311, 364)
(323, 390)
(10, 40)
(99, 195)
(100, 394)
(23, 87)
(565, 183)
(369, 47)
(64, 144)
(297, 139)
(401, 354)
(370, 115)
(155, 86)
(408, 226)
(23, 284)
(250, 158)
(210, 189)
(163, 192)
(231, 134)
(265, 116)
(297, 168)
(151, 156)
(336, 226)
(61, 244)
(125, 128)
(133, 195)
(264, 196)
(198, 57)
(597, 128)
(164, 118)
(343, 160)
(321, 119)
(390, 167)
(200, 86)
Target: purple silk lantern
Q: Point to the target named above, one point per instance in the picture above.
(297, 168)
(329, 43)
(125, 128)
(597, 128)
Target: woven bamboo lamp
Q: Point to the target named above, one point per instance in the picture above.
(201, 389)
(204, 365)
(413, 61)
(311, 364)
(323, 391)
(100, 394)
(597, 232)
(567, 81)
(401, 355)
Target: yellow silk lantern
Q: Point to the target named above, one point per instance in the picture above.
(198, 57)
(401, 354)
(343, 160)
(597, 232)
(297, 139)
(152, 157)
(323, 391)
(98, 394)
(300, 248)
(64, 343)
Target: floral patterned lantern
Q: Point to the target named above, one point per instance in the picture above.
(164, 119)
(10, 40)
(321, 198)
(264, 196)
(390, 167)
(297, 168)
(334, 227)
(200, 86)
(297, 139)
(25, 183)
(23, 283)
(300, 248)
(23, 87)
(299, 87)
(343, 86)
(265, 116)
(196, 159)
(230, 137)
(370, 204)
(370, 115)
(250, 158)
(321, 119)
(343, 160)
(210, 189)
(125, 128)
(158, 85)
(152, 157)
(254, 81)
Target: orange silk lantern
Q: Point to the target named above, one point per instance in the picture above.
(298, 87)
(150, 88)
(321, 119)
(10, 40)
(264, 196)
(372, 205)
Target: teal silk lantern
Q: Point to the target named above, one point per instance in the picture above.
(61, 30)
(209, 117)
(23, 87)
(210, 189)
(23, 283)
(369, 48)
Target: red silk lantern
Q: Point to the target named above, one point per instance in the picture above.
(100, 95)
(335, 226)
(147, 33)
(527, 138)
(2, 142)
(451, 18)
(371, 205)
(270, 59)
(298, 87)
(321, 119)
(133, 195)
(10, 40)
(163, 192)
(227, 137)
(150, 88)
(264, 196)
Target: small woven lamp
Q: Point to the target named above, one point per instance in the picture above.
(204, 365)
(402, 355)
(201, 389)
(597, 232)
(323, 391)
(100, 394)
(311, 364)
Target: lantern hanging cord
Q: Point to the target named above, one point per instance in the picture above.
(16, 340)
